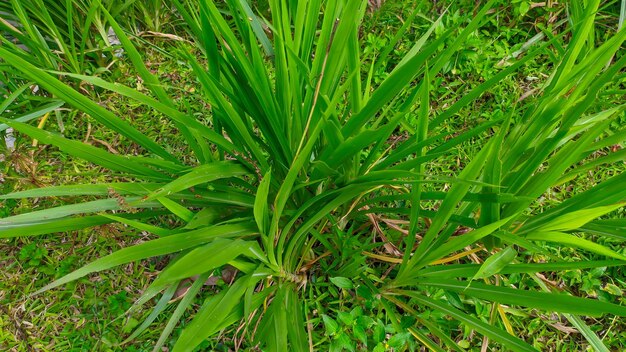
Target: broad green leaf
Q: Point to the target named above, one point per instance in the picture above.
(552, 302)
(199, 175)
(73, 209)
(261, 212)
(495, 263)
(176, 208)
(102, 189)
(571, 240)
(161, 246)
(226, 196)
(206, 258)
(332, 327)
(615, 228)
(342, 282)
(204, 217)
(609, 192)
(131, 165)
(469, 270)
(65, 224)
(140, 225)
(576, 219)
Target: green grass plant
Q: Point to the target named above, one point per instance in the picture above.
(293, 174)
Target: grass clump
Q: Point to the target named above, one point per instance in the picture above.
(313, 203)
